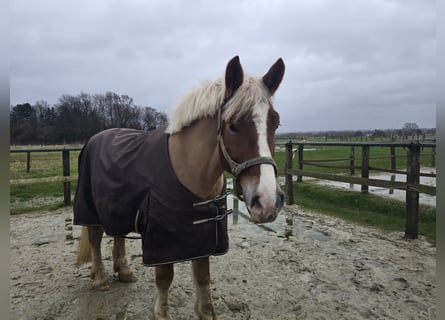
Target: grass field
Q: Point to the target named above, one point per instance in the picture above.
(379, 157)
(28, 194)
(42, 165)
(37, 196)
(365, 209)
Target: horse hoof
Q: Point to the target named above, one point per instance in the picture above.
(102, 286)
(163, 316)
(100, 280)
(127, 276)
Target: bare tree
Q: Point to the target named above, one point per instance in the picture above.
(411, 128)
(77, 118)
(153, 119)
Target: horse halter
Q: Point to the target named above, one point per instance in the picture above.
(235, 167)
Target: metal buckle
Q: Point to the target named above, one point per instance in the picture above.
(216, 218)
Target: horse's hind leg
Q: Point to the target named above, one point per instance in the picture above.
(203, 303)
(120, 264)
(98, 273)
(164, 278)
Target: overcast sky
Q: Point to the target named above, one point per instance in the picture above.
(357, 64)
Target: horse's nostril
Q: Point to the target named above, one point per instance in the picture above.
(255, 202)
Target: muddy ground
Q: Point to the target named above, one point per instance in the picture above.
(317, 268)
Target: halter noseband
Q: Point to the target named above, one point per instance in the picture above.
(235, 167)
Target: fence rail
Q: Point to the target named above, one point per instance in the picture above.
(412, 186)
(65, 168)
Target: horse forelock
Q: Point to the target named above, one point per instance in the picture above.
(204, 102)
(252, 94)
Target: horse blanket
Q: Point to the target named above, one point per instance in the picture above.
(127, 184)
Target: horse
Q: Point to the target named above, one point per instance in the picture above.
(224, 125)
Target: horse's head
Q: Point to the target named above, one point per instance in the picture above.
(246, 136)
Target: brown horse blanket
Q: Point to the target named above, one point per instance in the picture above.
(127, 184)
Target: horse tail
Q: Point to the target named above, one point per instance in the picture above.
(84, 248)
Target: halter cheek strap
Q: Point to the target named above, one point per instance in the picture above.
(235, 167)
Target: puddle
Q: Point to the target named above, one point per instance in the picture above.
(35, 202)
(42, 239)
(283, 226)
(316, 235)
(390, 193)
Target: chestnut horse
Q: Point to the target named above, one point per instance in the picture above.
(225, 125)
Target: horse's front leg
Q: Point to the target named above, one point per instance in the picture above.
(98, 273)
(164, 278)
(120, 264)
(203, 303)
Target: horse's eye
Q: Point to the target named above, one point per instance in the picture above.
(232, 127)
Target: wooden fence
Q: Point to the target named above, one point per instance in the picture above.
(66, 171)
(412, 185)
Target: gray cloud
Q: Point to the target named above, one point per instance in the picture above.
(357, 64)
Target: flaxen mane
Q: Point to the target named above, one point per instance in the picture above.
(204, 101)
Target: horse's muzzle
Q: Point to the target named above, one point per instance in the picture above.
(262, 209)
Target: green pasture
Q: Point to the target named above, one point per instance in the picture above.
(42, 165)
(379, 158)
(37, 196)
(27, 193)
(365, 209)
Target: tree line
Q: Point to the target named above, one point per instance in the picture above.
(409, 131)
(76, 118)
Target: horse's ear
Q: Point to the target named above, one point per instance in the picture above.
(273, 77)
(234, 76)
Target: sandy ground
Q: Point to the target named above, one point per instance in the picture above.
(310, 267)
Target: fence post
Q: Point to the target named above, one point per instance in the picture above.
(352, 161)
(365, 167)
(412, 196)
(235, 210)
(300, 161)
(393, 166)
(393, 159)
(288, 175)
(66, 173)
(352, 164)
(433, 157)
(28, 161)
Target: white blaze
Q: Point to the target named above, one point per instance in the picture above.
(267, 184)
